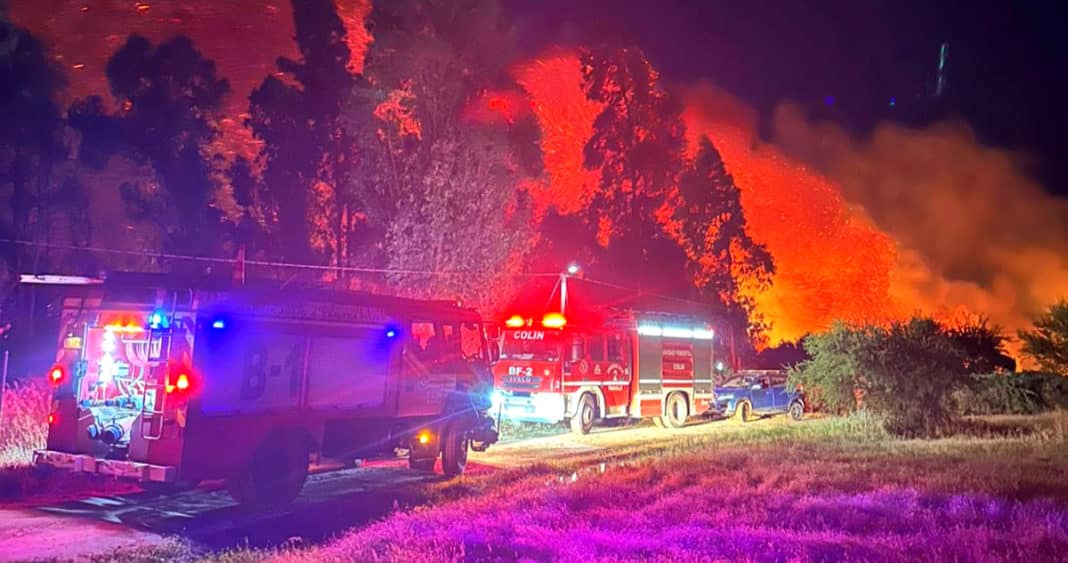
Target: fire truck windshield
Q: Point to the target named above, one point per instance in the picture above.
(530, 345)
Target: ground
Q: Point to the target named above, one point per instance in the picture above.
(769, 490)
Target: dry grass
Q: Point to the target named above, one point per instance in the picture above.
(834, 489)
(25, 422)
(24, 429)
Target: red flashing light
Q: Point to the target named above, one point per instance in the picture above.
(56, 375)
(181, 383)
(52, 418)
(554, 320)
(515, 321)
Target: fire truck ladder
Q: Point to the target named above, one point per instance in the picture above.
(152, 417)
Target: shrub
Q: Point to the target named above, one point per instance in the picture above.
(997, 394)
(831, 375)
(1047, 342)
(1024, 393)
(905, 373)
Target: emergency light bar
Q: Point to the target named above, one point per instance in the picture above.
(50, 279)
(676, 332)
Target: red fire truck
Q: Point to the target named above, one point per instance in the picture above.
(179, 383)
(610, 362)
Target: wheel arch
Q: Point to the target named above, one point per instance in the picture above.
(690, 401)
(574, 396)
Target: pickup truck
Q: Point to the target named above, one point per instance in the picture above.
(753, 394)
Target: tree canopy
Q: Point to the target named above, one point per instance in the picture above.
(1047, 342)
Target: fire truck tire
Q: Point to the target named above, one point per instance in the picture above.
(453, 451)
(676, 411)
(274, 476)
(585, 413)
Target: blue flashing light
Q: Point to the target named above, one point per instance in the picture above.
(218, 324)
(829, 100)
(157, 320)
(391, 333)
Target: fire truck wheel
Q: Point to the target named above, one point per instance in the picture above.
(275, 475)
(453, 452)
(677, 410)
(586, 411)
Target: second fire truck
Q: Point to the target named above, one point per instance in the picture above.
(611, 363)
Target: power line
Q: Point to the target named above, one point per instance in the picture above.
(368, 270)
(264, 263)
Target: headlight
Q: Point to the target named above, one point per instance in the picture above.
(496, 399)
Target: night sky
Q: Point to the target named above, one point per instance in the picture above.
(1004, 74)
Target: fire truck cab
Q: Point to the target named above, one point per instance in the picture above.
(178, 383)
(620, 363)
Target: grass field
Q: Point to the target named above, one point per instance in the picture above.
(830, 489)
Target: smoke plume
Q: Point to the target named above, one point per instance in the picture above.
(975, 230)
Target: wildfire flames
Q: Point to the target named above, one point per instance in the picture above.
(832, 260)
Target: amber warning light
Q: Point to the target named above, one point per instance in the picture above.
(515, 321)
(554, 320)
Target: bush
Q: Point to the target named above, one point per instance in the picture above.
(1024, 393)
(996, 394)
(905, 373)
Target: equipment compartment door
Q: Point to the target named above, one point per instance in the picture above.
(426, 377)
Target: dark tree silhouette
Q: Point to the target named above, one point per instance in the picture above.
(169, 100)
(981, 346)
(726, 264)
(308, 154)
(30, 124)
(247, 230)
(637, 143)
(637, 147)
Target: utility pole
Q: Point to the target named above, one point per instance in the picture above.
(563, 294)
(572, 269)
(239, 270)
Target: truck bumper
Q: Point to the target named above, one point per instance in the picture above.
(82, 463)
(536, 407)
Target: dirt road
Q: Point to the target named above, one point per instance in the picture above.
(329, 504)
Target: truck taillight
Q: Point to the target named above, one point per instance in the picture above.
(56, 375)
(181, 383)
